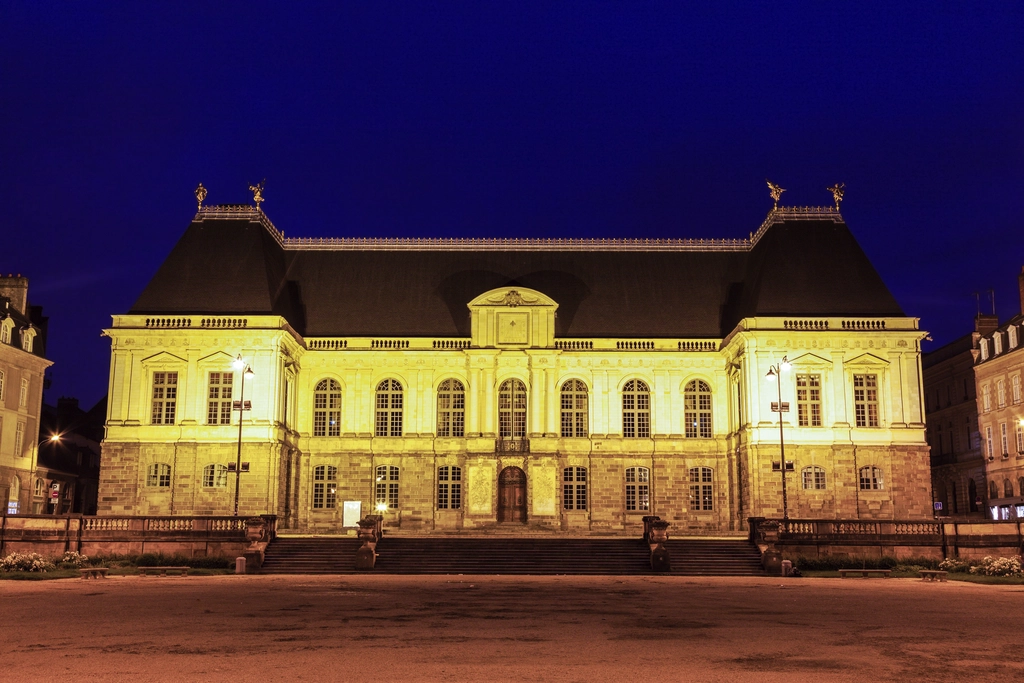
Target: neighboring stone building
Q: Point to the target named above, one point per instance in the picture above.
(574, 385)
(72, 463)
(1000, 405)
(22, 365)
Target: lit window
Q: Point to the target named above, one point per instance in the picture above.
(451, 409)
(23, 394)
(574, 488)
(327, 408)
(159, 475)
(638, 491)
(870, 478)
(325, 487)
(808, 400)
(449, 488)
(386, 489)
(165, 397)
(865, 400)
(218, 401)
(215, 476)
(697, 410)
(814, 478)
(574, 410)
(389, 408)
(512, 409)
(5, 330)
(39, 488)
(636, 410)
(27, 338)
(702, 489)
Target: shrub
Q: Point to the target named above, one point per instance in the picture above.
(955, 565)
(26, 562)
(836, 562)
(998, 566)
(73, 560)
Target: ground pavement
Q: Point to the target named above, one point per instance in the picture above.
(497, 628)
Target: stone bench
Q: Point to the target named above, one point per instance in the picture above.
(866, 573)
(94, 573)
(933, 575)
(162, 571)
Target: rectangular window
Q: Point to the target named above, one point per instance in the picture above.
(990, 447)
(638, 492)
(1001, 393)
(574, 488)
(325, 487)
(386, 489)
(702, 489)
(23, 394)
(165, 397)
(986, 399)
(19, 440)
(1003, 439)
(218, 398)
(1, 386)
(808, 400)
(865, 400)
(449, 488)
(1020, 442)
(1015, 383)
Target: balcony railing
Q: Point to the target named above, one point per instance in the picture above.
(512, 445)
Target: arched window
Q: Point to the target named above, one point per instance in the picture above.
(697, 410)
(870, 478)
(972, 495)
(14, 496)
(215, 476)
(574, 488)
(1007, 488)
(574, 410)
(386, 489)
(327, 408)
(813, 478)
(159, 475)
(325, 487)
(636, 411)
(389, 408)
(638, 489)
(993, 490)
(512, 409)
(702, 488)
(449, 487)
(451, 409)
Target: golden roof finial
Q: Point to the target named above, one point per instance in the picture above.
(200, 195)
(257, 193)
(775, 191)
(837, 190)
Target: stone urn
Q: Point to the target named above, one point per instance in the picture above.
(657, 536)
(658, 533)
(771, 559)
(255, 530)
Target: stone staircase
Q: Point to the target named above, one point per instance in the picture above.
(495, 555)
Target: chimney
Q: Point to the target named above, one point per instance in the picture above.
(985, 324)
(1020, 285)
(15, 288)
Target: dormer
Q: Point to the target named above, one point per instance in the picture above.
(6, 326)
(513, 318)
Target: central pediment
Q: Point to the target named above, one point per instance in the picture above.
(513, 317)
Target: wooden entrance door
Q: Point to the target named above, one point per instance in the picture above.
(512, 495)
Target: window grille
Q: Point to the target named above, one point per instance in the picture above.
(870, 478)
(218, 398)
(702, 491)
(389, 408)
(449, 488)
(814, 478)
(325, 487)
(512, 409)
(215, 476)
(386, 489)
(638, 491)
(159, 475)
(697, 410)
(574, 410)
(865, 400)
(451, 409)
(165, 397)
(327, 408)
(574, 488)
(636, 410)
(808, 400)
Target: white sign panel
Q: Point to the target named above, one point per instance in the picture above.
(351, 513)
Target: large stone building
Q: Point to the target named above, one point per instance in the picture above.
(22, 365)
(573, 385)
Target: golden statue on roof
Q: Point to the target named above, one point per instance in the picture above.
(837, 190)
(257, 193)
(200, 195)
(775, 191)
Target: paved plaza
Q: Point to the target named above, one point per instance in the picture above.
(498, 628)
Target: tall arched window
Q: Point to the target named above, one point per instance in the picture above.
(814, 478)
(449, 487)
(386, 489)
(702, 488)
(451, 409)
(697, 410)
(215, 476)
(512, 409)
(574, 409)
(325, 487)
(870, 478)
(159, 475)
(389, 408)
(636, 410)
(327, 408)
(574, 488)
(638, 489)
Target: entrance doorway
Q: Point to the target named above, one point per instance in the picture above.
(512, 495)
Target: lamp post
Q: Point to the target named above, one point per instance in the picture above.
(52, 439)
(775, 375)
(238, 365)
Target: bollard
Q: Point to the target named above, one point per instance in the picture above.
(239, 565)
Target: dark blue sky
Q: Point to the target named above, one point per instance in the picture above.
(505, 119)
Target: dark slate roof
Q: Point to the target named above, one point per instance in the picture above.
(233, 265)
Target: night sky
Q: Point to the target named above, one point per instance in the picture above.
(505, 119)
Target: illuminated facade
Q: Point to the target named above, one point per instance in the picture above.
(570, 385)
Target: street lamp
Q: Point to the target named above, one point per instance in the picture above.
(775, 375)
(238, 365)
